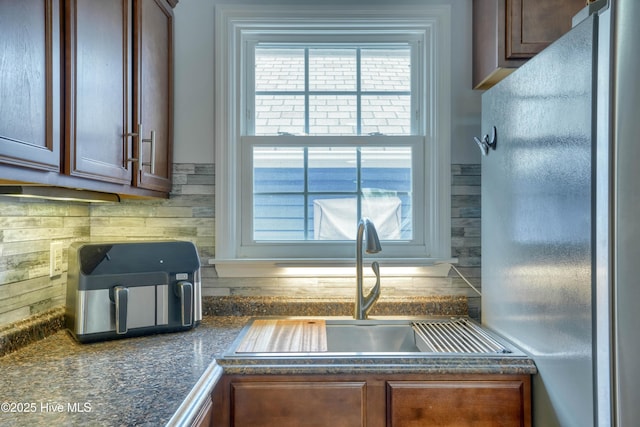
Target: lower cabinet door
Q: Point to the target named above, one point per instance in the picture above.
(458, 403)
(296, 404)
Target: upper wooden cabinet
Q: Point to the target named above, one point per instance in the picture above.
(153, 86)
(113, 60)
(99, 89)
(30, 52)
(506, 33)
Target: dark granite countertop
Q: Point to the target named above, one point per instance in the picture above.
(148, 380)
(135, 381)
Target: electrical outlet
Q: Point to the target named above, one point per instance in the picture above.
(55, 261)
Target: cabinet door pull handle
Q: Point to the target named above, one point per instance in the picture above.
(151, 140)
(130, 135)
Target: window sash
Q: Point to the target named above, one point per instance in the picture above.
(251, 248)
(344, 183)
(354, 40)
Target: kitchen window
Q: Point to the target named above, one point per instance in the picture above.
(324, 117)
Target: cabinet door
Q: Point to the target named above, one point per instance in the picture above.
(295, 404)
(30, 35)
(458, 403)
(532, 26)
(506, 33)
(98, 92)
(153, 98)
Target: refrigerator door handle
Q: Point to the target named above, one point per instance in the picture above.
(485, 143)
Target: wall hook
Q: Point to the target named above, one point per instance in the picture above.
(485, 143)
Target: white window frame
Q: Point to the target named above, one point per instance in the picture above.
(234, 25)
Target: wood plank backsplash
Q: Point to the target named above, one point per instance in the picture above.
(28, 228)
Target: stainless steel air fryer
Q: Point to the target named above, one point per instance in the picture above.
(118, 290)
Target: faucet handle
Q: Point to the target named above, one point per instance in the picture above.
(376, 269)
(375, 291)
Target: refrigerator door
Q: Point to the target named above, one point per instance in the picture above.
(536, 222)
(625, 150)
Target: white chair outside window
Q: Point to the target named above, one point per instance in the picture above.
(336, 219)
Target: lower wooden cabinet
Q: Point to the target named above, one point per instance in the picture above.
(457, 403)
(286, 403)
(373, 400)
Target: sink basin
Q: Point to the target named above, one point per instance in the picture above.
(380, 336)
(375, 337)
(459, 336)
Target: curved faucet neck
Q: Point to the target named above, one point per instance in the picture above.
(367, 232)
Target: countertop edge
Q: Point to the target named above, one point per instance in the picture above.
(18, 335)
(437, 365)
(190, 407)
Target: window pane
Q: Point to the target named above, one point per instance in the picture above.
(389, 114)
(279, 114)
(388, 168)
(278, 170)
(332, 169)
(332, 69)
(278, 188)
(279, 69)
(278, 217)
(386, 69)
(386, 190)
(332, 115)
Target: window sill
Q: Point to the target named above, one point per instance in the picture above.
(393, 267)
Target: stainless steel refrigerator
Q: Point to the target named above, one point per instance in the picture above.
(561, 219)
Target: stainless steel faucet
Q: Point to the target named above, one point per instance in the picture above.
(366, 230)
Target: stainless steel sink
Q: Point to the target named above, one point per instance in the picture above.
(371, 337)
(418, 336)
(341, 345)
(460, 336)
